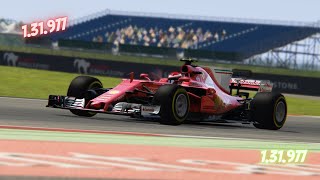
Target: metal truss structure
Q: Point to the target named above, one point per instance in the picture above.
(303, 54)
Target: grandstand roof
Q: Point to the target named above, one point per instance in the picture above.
(194, 17)
(246, 37)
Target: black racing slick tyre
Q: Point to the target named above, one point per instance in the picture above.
(174, 101)
(269, 110)
(79, 87)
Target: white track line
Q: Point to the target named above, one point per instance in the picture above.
(316, 117)
(129, 133)
(17, 98)
(236, 139)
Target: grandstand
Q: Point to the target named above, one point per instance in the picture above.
(245, 38)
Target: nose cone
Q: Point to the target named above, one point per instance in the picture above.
(96, 105)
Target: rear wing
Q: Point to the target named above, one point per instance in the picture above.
(250, 84)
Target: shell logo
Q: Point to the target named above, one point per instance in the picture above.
(113, 92)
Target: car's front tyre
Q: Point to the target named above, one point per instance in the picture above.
(174, 101)
(78, 88)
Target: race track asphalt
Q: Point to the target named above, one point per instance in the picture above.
(31, 112)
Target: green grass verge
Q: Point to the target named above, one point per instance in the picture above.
(160, 61)
(31, 83)
(303, 106)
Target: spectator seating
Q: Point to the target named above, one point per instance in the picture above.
(245, 38)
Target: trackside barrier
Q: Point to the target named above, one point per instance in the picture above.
(282, 83)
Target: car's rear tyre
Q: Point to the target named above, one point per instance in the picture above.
(79, 87)
(269, 110)
(174, 101)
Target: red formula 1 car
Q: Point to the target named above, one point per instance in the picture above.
(195, 93)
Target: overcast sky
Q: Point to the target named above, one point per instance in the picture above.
(291, 10)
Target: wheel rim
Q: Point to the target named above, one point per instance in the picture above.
(280, 112)
(181, 105)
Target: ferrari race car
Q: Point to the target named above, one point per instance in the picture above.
(195, 93)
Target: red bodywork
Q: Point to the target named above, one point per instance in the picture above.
(205, 93)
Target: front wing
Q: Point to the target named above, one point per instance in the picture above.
(121, 108)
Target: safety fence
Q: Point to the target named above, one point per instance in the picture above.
(108, 67)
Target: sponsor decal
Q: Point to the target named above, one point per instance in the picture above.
(246, 82)
(86, 67)
(30, 63)
(285, 85)
(147, 111)
(147, 108)
(81, 65)
(11, 59)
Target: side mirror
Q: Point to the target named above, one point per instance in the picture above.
(145, 76)
(131, 76)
